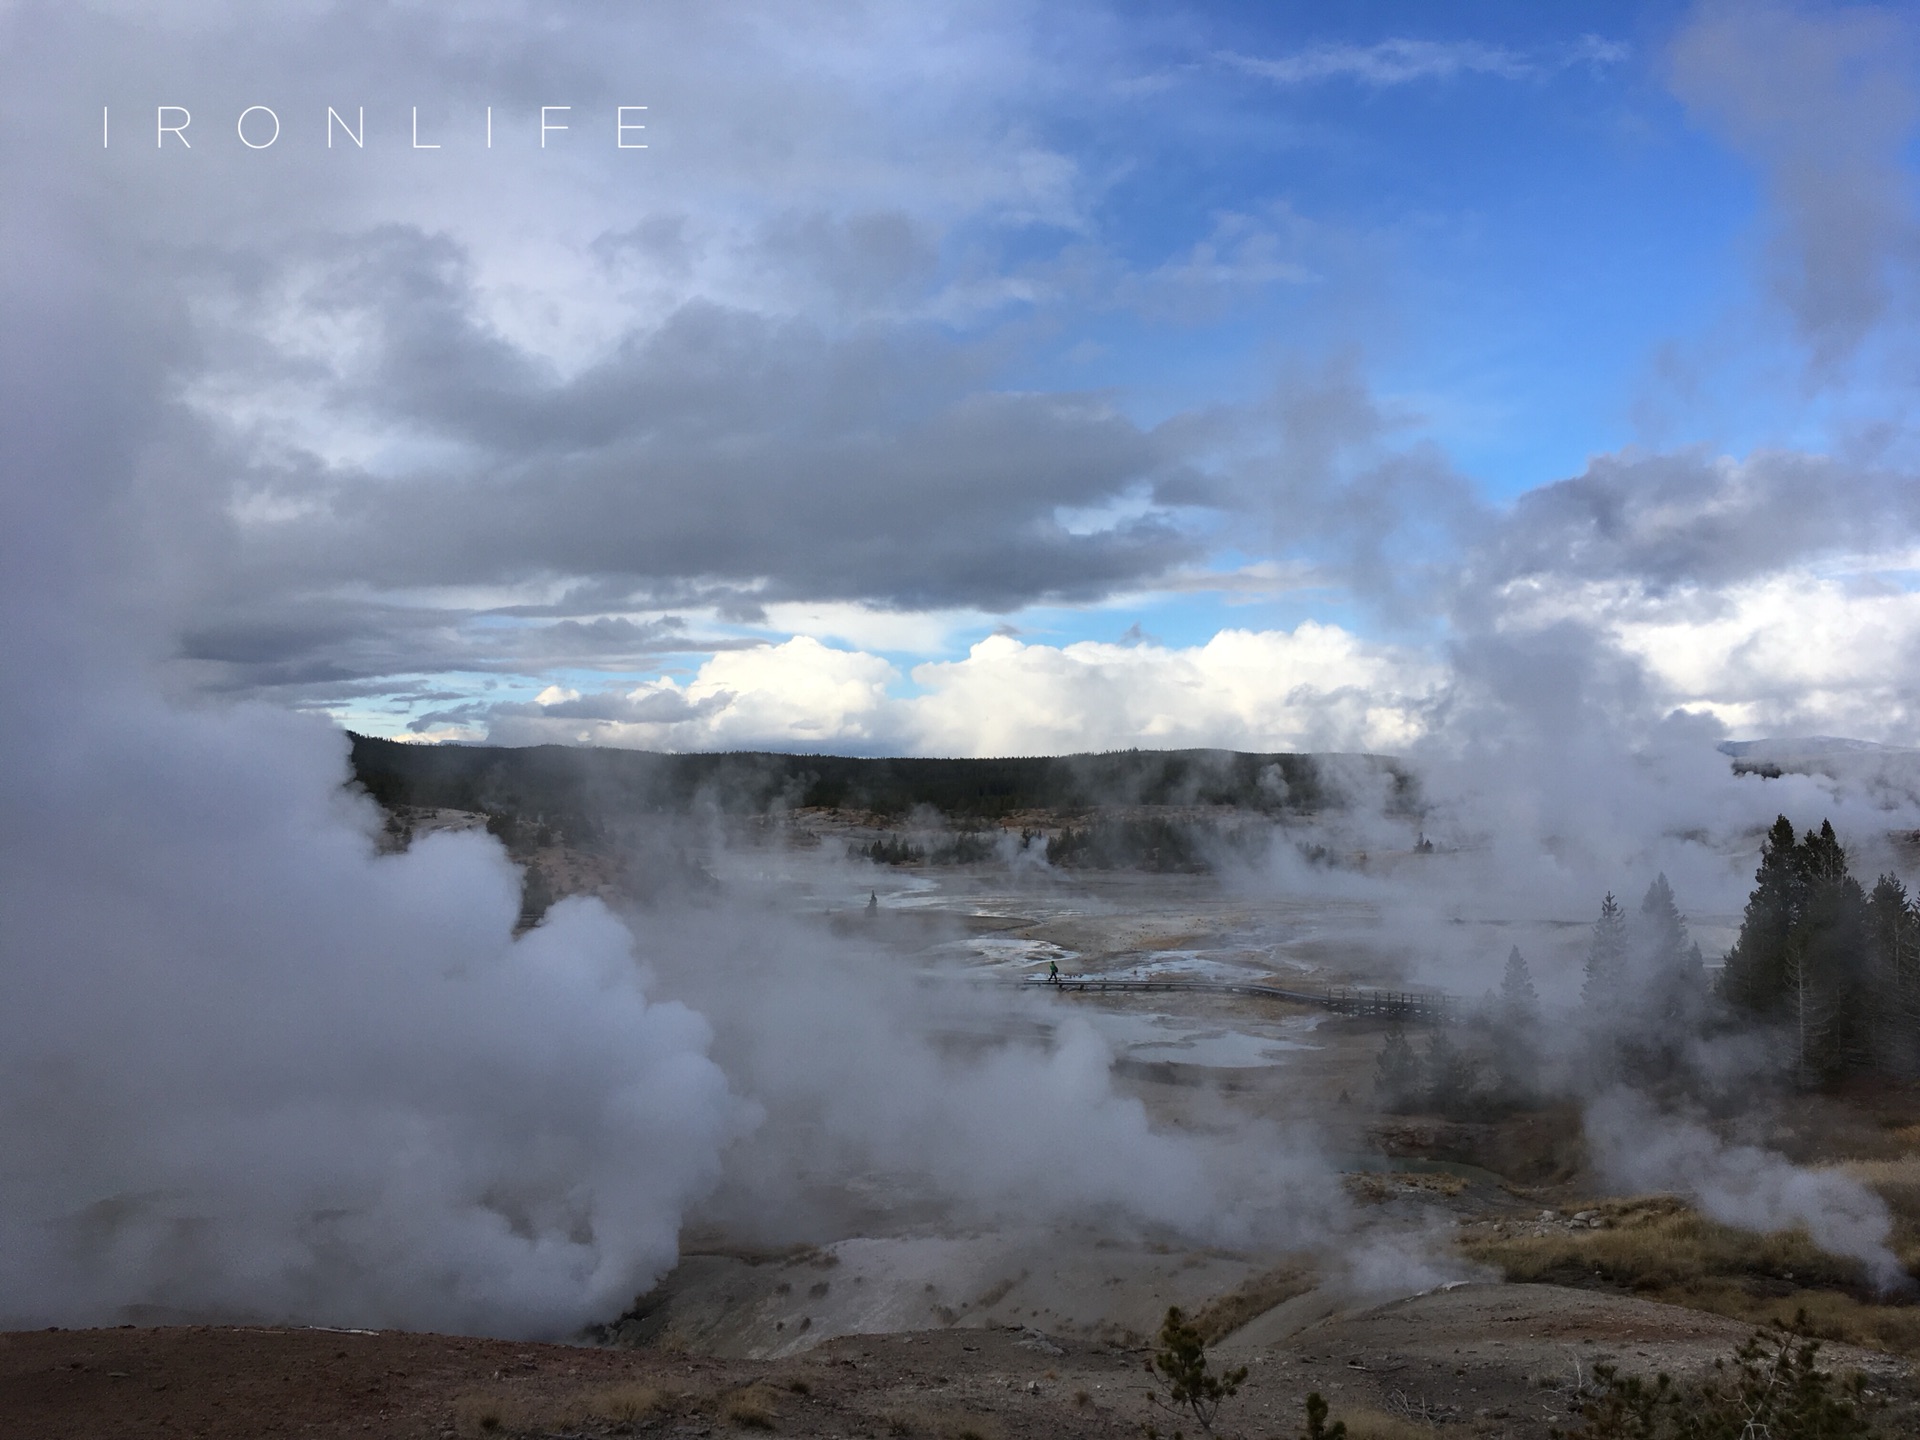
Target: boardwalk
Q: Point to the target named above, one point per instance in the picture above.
(1417, 1007)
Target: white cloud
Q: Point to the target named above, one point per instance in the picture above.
(799, 694)
(1793, 651)
(1316, 687)
(1401, 60)
(863, 627)
(1389, 62)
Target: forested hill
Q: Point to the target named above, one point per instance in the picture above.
(558, 779)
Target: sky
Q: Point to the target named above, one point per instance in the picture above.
(990, 378)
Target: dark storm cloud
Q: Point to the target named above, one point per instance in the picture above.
(308, 648)
(721, 445)
(660, 707)
(1691, 519)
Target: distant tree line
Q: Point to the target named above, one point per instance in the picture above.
(559, 780)
(1151, 843)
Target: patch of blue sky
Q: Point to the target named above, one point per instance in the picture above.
(1506, 251)
(405, 700)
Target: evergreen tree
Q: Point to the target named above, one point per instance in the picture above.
(1669, 974)
(1893, 923)
(1397, 1074)
(1805, 957)
(1519, 1001)
(1755, 978)
(1516, 1013)
(1606, 959)
(1837, 965)
(1448, 1074)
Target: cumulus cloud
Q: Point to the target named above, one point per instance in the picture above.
(1316, 687)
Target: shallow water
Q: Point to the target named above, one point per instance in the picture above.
(1181, 1040)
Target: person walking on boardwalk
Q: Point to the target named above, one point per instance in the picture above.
(1053, 972)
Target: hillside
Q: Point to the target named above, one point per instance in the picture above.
(559, 781)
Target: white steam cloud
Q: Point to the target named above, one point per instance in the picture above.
(247, 1069)
(959, 1094)
(1640, 1149)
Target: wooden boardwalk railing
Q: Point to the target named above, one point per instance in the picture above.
(1424, 1008)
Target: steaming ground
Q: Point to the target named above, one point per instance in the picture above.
(949, 1143)
(937, 1194)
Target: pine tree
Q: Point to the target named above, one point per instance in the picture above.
(1805, 954)
(1397, 1074)
(1519, 1001)
(1669, 974)
(1606, 960)
(1837, 959)
(1516, 1013)
(1755, 976)
(1448, 1074)
(1893, 921)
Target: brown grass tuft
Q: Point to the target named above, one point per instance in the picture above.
(1660, 1247)
(486, 1414)
(629, 1402)
(1224, 1314)
(483, 1414)
(751, 1409)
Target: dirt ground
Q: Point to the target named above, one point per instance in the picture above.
(1484, 1360)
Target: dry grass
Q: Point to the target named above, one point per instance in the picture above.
(628, 1402)
(1896, 1181)
(485, 1414)
(1660, 1247)
(939, 1424)
(1363, 1422)
(1660, 1242)
(1907, 1137)
(1224, 1314)
(753, 1408)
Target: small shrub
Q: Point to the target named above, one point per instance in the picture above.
(1317, 1427)
(750, 1409)
(1180, 1367)
(1774, 1388)
(485, 1415)
(628, 1403)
